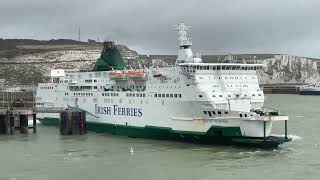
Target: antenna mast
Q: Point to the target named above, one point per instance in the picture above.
(185, 54)
(79, 35)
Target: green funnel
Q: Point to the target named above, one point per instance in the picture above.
(110, 58)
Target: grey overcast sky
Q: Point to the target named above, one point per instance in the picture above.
(218, 26)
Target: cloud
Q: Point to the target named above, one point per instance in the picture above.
(218, 26)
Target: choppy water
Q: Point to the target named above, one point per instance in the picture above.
(47, 155)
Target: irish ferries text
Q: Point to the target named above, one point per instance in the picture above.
(118, 111)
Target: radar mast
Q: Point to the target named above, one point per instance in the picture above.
(185, 54)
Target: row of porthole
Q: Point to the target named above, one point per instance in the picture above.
(236, 95)
(200, 77)
(244, 115)
(46, 87)
(168, 95)
(83, 94)
(163, 87)
(136, 95)
(213, 113)
(110, 94)
(238, 85)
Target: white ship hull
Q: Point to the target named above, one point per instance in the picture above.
(205, 102)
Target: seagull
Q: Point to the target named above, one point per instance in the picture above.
(131, 151)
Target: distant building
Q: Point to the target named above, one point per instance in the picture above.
(91, 41)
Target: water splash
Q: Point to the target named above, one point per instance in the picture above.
(131, 151)
(292, 136)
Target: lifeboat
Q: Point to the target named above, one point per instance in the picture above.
(117, 75)
(136, 75)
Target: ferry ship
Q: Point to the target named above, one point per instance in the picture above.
(313, 89)
(191, 101)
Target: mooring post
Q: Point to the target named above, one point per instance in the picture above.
(11, 121)
(7, 122)
(286, 129)
(34, 118)
(2, 126)
(264, 130)
(23, 124)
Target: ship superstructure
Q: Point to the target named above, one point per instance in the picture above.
(193, 101)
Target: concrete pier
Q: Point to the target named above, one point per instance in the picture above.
(11, 119)
(281, 88)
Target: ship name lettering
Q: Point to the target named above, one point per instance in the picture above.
(224, 121)
(118, 111)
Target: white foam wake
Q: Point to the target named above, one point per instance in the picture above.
(292, 136)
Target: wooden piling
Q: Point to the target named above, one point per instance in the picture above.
(11, 122)
(64, 123)
(23, 124)
(83, 125)
(72, 122)
(75, 122)
(7, 122)
(34, 120)
(2, 123)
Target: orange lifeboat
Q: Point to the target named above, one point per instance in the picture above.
(136, 74)
(117, 75)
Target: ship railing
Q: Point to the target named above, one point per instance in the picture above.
(49, 109)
